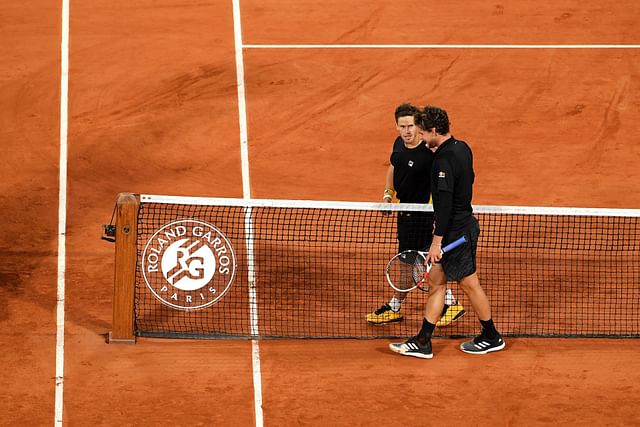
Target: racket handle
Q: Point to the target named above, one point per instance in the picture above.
(454, 244)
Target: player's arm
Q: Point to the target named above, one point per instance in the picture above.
(444, 208)
(443, 217)
(389, 192)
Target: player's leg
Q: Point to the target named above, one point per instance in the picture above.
(413, 233)
(437, 291)
(420, 345)
(489, 339)
(470, 285)
(391, 311)
(460, 265)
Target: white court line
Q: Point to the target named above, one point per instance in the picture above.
(242, 104)
(441, 46)
(62, 211)
(246, 193)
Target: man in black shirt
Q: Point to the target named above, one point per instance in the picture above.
(409, 174)
(452, 179)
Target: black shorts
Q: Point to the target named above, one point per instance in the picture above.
(461, 261)
(415, 231)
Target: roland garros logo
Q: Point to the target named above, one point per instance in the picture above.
(188, 264)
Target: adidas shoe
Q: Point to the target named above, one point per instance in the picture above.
(450, 315)
(413, 348)
(482, 345)
(384, 315)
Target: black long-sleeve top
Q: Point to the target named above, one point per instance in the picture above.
(452, 180)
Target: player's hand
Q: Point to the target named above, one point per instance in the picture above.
(434, 255)
(386, 200)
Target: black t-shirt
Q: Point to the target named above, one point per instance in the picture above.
(411, 172)
(452, 179)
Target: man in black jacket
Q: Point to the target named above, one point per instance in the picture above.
(452, 178)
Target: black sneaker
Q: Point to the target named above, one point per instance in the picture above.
(413, 348)
(483, 345)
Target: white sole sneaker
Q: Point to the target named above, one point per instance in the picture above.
(409, 349)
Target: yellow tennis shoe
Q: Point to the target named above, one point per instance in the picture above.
(451, 314)
(384, 315)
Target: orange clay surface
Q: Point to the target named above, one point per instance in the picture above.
(153, 109)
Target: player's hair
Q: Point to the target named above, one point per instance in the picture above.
(433, 117)
(406, 109)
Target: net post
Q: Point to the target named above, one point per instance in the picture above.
(127, 205)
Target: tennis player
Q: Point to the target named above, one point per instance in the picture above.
(408, 174)
(452, 179)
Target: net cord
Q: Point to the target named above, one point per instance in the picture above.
(417, 207)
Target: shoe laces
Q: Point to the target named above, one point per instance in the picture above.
(383, 309)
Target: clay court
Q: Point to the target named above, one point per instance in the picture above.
(547, 95)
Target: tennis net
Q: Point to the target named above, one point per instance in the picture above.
(216, 268)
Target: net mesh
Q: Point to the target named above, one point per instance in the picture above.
(315, 270)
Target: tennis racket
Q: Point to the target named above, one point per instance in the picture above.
(408, 270)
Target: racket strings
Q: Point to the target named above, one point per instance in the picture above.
(419, 271)
(406, 271)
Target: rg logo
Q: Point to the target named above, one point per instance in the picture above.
(188, 264)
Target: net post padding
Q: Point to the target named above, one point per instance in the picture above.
(127, 206)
